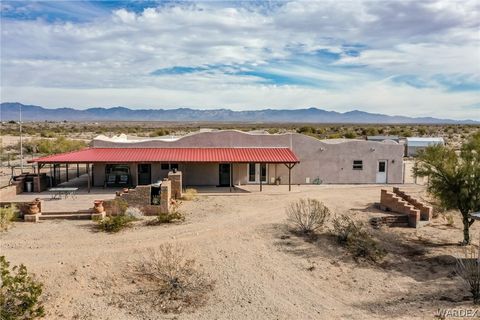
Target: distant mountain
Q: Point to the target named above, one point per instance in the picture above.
(10, 111)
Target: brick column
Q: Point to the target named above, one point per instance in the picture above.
(176, 179)
(165, 196)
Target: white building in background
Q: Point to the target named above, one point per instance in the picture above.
(415, 144)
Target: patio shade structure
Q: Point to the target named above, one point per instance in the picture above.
(182, 155)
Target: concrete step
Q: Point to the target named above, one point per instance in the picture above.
(390, 221)
(49, 213)
(66, 216)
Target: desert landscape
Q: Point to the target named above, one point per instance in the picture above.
(260, 269)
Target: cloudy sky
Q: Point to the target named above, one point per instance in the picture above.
(416, 58)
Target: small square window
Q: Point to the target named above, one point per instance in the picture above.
(357, 164)
(164, 166)
(174, 166)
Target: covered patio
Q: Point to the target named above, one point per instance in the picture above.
(144, 165)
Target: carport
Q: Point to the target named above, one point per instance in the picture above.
(226, 157)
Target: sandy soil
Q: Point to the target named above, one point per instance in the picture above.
(260, 269)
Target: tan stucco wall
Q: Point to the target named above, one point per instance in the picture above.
(331, 161)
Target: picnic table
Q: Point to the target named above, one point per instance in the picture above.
(57, 193)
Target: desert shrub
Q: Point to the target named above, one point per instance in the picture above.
(159, 132)
(189, 194)
(306, 130)
(174, 215)
(171, 281)
(19, 293)
(468, 269)
(307, 215)
(115, 207)
(113, 224)
(134, 213)
(449, 219)
(7, 215)
(356, 239)
(350, 135)
(52, 146)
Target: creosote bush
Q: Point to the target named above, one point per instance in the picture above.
(307, 215)
(7, 215)
(19, 293)
(174, 215)
(170, 281)
(116, 207)
(468, 269)
(356, 239)
(115, 224)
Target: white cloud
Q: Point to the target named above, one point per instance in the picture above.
(108, 60)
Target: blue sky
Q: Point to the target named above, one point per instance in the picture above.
(416, 58)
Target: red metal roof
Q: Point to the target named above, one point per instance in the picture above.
(122, 155)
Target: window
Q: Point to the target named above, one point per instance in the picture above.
(381, 166)
(167, 166)
(357, 164)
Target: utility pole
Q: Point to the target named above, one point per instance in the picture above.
(21, 141)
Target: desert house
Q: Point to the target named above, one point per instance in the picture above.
(228, 157)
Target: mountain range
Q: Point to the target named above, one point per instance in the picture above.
(11, 110)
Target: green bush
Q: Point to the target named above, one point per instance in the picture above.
(159, 133)
(52, 146)
(7, 215)
(356, 239)
(115, 207)
(165, 217)
(468, 269)
(350, 135)
(19, 293)
(115, 224)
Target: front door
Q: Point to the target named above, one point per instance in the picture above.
(224, 174)
(144, 173)
(257, 171)
(382, 171)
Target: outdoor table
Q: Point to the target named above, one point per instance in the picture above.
(65, 192)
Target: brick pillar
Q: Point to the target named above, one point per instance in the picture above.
(165, 196)
(176, 179)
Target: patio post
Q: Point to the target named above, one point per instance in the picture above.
(289, 166)
(88, 177)
(66, 170)
(78, 170)
(54, 174)
(39, 167)
(231, 175)
(261, 178)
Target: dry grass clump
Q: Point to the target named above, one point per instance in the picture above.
(175, 215)
(7, 215)
(307, 215)
(356, 239)
(189, 194)
(468, 269)
(169, 281)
